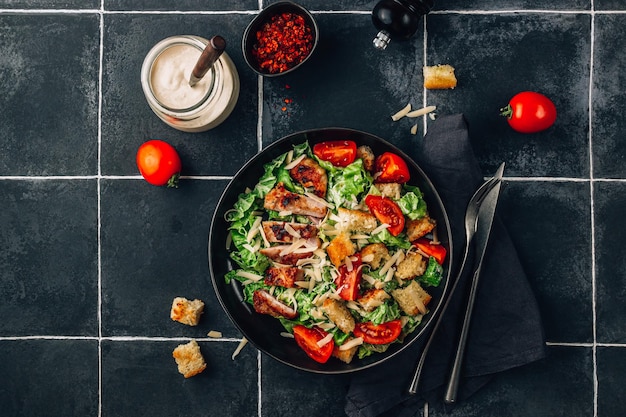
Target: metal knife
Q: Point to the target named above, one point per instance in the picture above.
(486, 214)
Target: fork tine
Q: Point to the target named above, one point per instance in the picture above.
(488, 186)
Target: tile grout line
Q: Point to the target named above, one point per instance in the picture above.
(99, 209)
(594, 348)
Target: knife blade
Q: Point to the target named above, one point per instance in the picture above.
(484, 221)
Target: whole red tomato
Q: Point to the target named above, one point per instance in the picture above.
(530, 112)
(159, 163)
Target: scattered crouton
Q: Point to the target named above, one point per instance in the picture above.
(189, 359)
(339, 248)
(412, 299)
(186, 311)
(375, 254)
(411, 266)
(419, 227)
(339, 314)
(346, 352)
(356, 220)
(439, 77)
(367, 155)
(373, 298)
(392, 190)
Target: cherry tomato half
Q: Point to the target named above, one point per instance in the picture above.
(391, 168)
(159, 163)
(436, 251)
(348, 282)
(378, 334)
(386, 211)
(529, 112)
(307, 339)
(340, 153)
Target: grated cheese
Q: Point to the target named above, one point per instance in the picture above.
(295, 162)
(380, 228)
(254, 229)
(351, 343)
(214, 333)
(289, 229)
(418, 302)
(318, 199)
(421, 112)
(400, 114)
(287, 335)
(326, 340)
(249, 275)
(240, 346)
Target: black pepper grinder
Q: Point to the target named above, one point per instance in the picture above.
(398, 19)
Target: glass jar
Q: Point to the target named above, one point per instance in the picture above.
(165, 82)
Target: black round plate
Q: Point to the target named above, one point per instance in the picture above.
(264, 331)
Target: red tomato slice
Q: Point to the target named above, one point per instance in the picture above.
(340, 153)
(159, 163)
(391, 168)
(436, 251)
(307, 339)
(530, 112)
(348, 282)
(378, 334)
(386, 211)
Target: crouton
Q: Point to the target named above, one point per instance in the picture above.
(189, 359)
(372, 299)
(340, 247)
(339, 314)
(439, 77)
(186, 311)
(412, 299)
(391, 189)
(419, 227)
(411, 266)
(367, 155)
(356, 220)
(345, 355)
(375, 255)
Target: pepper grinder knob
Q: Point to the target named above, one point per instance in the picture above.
(398, 19)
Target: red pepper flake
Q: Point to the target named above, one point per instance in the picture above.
(282, 43)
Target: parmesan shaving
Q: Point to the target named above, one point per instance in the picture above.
(240, 346)
(380, 228)
(349, 266)
(287, 335)
(421, 112)
(249, 275)
(302, 284)
(351, 343)
(368, 258)
(298, 243)
(389, 275)
(214, 334)
(326, 340)
(390, 262)
(318, 199)
(370, 280)
(289, 156)
(418, 302)
(359, 237)
(414, 129)
(265, 241)
(289, 229)
(229, 240)
(400, 114)
(254, 229)
(284, 213)
(295, 162)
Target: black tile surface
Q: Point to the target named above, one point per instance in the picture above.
(91, 256)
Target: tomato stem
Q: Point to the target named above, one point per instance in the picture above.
(173, 181)
(506, 111)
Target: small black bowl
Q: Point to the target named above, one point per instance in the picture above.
(263, 331)
(249, 36)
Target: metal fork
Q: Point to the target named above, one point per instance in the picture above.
(471, 220)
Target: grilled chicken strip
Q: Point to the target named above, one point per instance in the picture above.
(281, 199)
(265, 303)
(284, 276)
(274, 253)
(276, 231)
(311, 175)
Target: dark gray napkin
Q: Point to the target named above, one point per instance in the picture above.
(506, 329)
